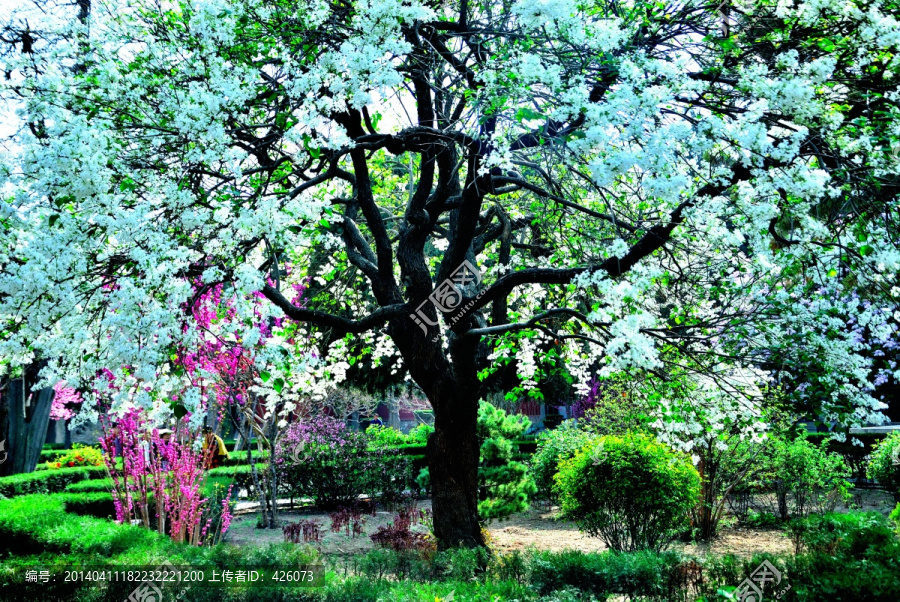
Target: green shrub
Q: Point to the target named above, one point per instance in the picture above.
(761, 519)
(824, 577)
(806, 477)
(512, 566)
(631, 574)
(631, 491)
(461, 564)
(611, 408)
(384, 436)
(48, 481)
(505, 484)
(895, 516)
(553, 447)
(856, 535)
(419, 435)
(337, 465)
(884, 464)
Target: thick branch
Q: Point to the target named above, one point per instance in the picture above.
(320, 318)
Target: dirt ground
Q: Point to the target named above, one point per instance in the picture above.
(544, 531)
(539, 528)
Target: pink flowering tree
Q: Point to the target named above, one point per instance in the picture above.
(225, 365)
(160, 482)
(65, 402)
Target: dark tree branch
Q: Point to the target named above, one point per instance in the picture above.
(320, 318)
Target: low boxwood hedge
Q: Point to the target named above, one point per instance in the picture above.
(98, 504)
(48, 481)
(38, 523)
(92, 486)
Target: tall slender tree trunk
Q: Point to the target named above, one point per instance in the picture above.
(27, 418)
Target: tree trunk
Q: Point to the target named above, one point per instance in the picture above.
(57, 432)
(393, 413)
(27, 421)
(272, 474)
(452, 450)
(452, 453)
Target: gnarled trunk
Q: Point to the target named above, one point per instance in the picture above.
(453, 463)
(453, 450)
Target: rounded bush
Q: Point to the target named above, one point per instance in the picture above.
(631, 491)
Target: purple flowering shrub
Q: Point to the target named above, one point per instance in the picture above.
(322, 459)
(588, 401)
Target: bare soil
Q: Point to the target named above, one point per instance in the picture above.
(539, 527)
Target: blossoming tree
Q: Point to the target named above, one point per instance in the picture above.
(605, 184)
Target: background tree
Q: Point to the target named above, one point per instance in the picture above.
(630, 183)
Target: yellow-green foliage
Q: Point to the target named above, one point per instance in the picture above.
(631, 491)
(79, 455)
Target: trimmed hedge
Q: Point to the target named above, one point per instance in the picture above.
(38, 523)
(96, 504)
(48, 481)
(92, 486)
(404, 449)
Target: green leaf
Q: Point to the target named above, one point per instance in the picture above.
(278, 385)
(826, 44)
(53, 219)
(832, 273)
(180, 411)
(127, 185)
(528, 114)
(264, 376)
